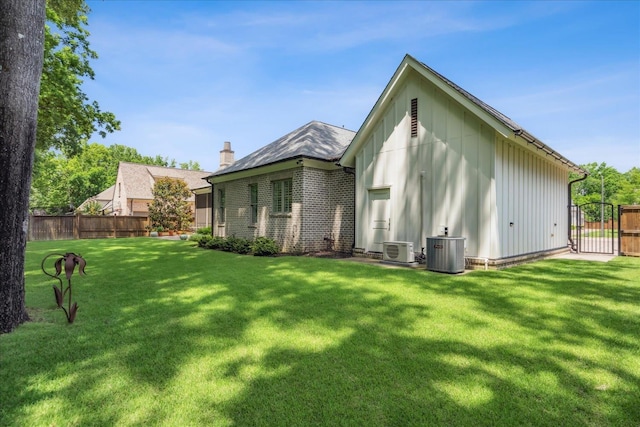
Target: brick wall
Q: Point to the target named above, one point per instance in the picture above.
(328, 207)
(321, 213)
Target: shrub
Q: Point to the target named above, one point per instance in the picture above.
(241, 245)
(215, 242)
(227, 245)
(204, 230)
(196, 238)
(238, 245)
(204, 240)
(263, 246)
(92, 208)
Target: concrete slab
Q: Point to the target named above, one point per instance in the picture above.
(586, 257)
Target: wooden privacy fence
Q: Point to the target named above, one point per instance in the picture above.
(629, 230)
(607, 224)
(85, 227)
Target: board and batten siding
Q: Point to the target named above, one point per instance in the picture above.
(459, 173)
(532, 201)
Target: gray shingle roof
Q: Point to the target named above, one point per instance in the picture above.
(488, 108)
(315, 140)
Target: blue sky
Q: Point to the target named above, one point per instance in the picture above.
(185, 76)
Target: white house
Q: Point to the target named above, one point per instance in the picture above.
(431, 159)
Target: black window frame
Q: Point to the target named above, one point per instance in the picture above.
(253, 203)
(221, 205)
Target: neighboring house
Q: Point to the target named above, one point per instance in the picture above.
(290, 190)
(133, 191)
(432, 157)
(104, 199)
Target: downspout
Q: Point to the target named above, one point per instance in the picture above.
(212, 208)
(573, 244)
(422, 236)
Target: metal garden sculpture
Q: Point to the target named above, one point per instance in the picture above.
(70, 260)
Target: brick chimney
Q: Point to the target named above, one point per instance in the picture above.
(226, 155)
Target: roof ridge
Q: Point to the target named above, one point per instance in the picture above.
(158, 166)
(333, 126)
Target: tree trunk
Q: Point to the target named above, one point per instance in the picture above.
(21, 53)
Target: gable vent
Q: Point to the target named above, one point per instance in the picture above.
(414, 117)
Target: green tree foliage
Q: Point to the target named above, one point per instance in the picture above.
(619, 188)
(66, 117)
(190, 165)
(629, 190)
(49, 189)
(62, 182)
(169, 208)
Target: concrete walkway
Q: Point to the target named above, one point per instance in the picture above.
(586, 257)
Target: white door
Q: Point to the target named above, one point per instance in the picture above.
(380, 214)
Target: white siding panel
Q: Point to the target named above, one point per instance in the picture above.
(360, 198)
(486, 194)
(439, 176)
(455, 166)
(472, 213)
(531, 191)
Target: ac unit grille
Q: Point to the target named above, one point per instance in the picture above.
(393, 251)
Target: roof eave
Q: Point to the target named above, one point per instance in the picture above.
(530, 139)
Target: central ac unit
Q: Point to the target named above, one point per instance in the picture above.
(445, 254)
(398, 251)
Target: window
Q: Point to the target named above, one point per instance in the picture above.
(414, 117)
(282, 196)
(253, 202)
(221, 205)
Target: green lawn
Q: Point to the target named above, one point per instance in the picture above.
(169, 334)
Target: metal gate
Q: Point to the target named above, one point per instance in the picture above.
(593, 229)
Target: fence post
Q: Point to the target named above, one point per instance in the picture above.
(76, 227)
(619, 230)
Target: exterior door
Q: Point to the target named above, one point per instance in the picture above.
(380, 214)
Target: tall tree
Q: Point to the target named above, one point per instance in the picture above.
(169, 208)
(629, 190)
(21, 57)
(66, 117)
